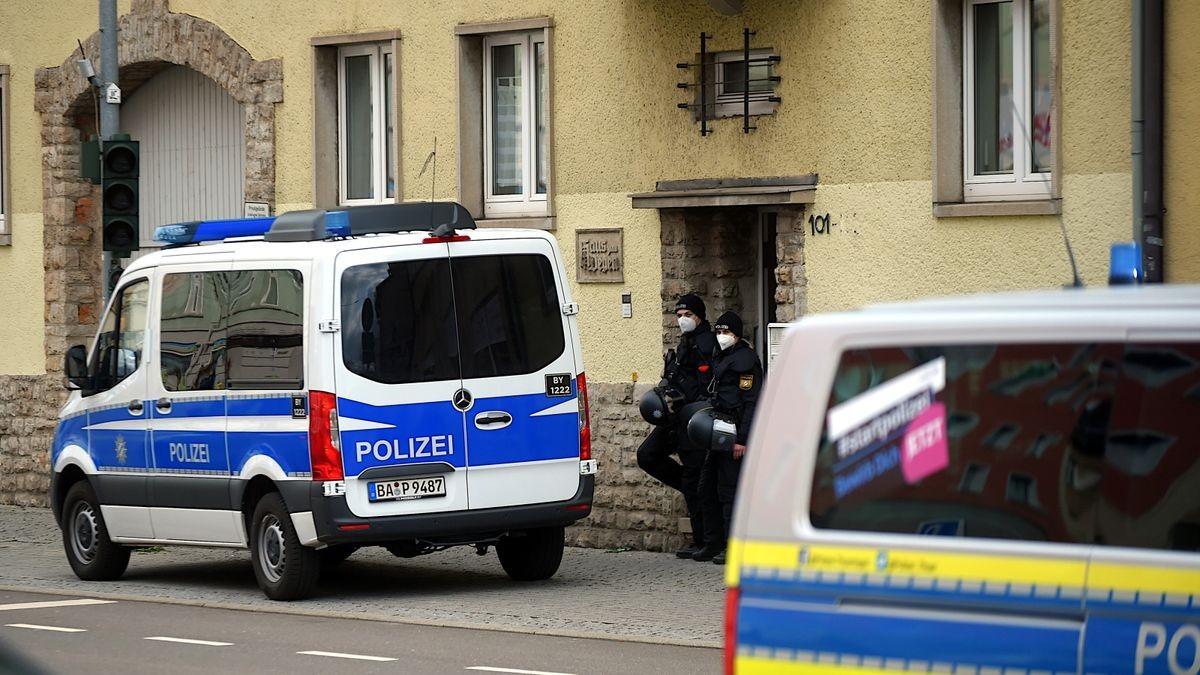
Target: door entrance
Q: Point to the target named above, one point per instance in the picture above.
(727, 255)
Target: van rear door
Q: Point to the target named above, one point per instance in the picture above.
(397, 374)
(519, 367)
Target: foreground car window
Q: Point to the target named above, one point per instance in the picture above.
(1086, 443)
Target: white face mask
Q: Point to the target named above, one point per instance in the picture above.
(726, 341)
(687, 324)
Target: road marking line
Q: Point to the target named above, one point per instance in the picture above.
(56, 603)
(360, 657)
(492, 669)
(186, 641)
(58, 629)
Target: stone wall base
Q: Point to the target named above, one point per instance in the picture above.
(28, 412)
(631, 510)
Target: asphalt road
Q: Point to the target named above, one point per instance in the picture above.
(632, 596)
(70, 634)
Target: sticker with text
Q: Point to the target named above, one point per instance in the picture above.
(925, 450)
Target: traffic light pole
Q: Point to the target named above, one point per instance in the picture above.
(110, 110)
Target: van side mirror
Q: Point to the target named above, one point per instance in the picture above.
(75, 368)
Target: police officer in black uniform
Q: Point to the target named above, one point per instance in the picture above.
(687, 372)
(733, 393)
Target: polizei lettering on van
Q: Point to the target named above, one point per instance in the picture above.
(196, 453)
(412, 448)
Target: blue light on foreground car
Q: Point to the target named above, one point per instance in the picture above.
(1125, 264)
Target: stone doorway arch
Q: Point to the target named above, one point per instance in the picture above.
(150, 38)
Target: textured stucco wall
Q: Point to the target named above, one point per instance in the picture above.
(1182, 128)
(856, 109)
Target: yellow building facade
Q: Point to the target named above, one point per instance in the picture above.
(852, 187)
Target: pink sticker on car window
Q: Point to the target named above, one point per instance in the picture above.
(924, 448)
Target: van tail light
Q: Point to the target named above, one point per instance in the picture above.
(324, 440)
(585, 425)
(732, 595)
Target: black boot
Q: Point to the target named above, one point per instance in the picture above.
(687, 552)
(707, 553)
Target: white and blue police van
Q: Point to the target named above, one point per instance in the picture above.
(1001, 483)
(309, 384)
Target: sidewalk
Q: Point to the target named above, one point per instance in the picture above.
(630, 595)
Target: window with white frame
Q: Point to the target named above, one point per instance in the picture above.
(1008, 97)
(516, 132)
(730, 82)
(366, 131)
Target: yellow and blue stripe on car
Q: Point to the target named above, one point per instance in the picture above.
(822, 608)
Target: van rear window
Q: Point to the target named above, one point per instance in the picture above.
(398, 322)
(429, 320)
(509, 317)
(1081, 443)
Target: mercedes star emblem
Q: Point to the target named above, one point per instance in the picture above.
(462, 399)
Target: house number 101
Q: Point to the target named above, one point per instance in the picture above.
(820, 224)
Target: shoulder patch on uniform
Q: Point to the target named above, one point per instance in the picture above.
(746, 382)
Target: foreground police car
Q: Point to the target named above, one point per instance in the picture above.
(1001, 483)
(341, 379)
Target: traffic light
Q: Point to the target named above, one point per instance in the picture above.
(119, 166)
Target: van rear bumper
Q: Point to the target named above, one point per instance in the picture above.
(331, 516)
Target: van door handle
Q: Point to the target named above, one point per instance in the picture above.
(163, 405)
(136, 407)
(493, 420)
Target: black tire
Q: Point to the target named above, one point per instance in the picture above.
(93, 556)
(534, 556)
(285, 568)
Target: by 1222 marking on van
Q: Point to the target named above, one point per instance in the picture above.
(1005, 483)
(309, 384)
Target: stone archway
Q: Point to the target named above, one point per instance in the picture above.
(150, 38)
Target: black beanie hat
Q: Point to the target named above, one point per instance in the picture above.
(691, 301)
(731, 322)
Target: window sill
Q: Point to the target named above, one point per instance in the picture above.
(535, 223)
(5, 240)
(1037, 207)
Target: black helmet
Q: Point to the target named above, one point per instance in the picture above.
(658, 404)
(710, 430)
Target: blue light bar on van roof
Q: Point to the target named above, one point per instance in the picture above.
(441, 219)
(194, 232)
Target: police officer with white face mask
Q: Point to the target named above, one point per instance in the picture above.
(733, 392)
(687, 371)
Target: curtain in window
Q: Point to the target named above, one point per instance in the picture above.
(507, 166)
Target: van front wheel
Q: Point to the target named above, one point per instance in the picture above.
(93, 556)
(285, 568)
(534, 556)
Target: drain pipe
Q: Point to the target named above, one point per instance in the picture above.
(1148, 136)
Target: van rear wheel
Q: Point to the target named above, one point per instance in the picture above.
(534, 556)
(93, 556)
(285, 568)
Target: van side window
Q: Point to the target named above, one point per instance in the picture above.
(266, 329)
(120, 344)
(233, 330)
(509, 314)
(398, 322)
(192, 331)
(1075, 443)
